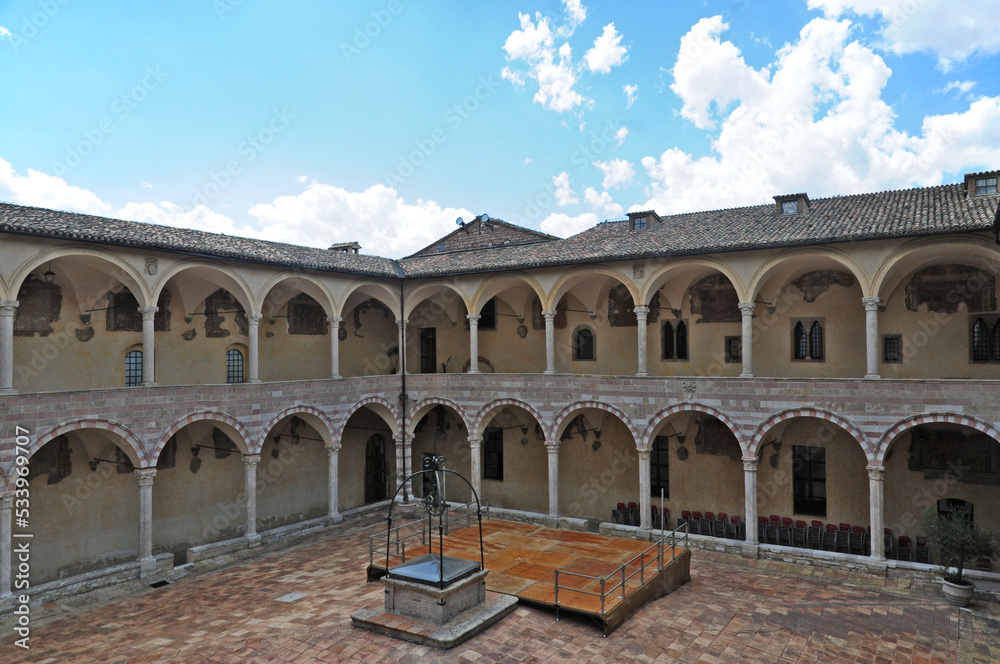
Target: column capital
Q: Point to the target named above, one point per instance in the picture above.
(144, 476)
(254, 318)
(549, 315)
(251, 460)
(6, 501)
(402, 438)
(871, 303)
(641, 309)
(876, 473)
(552, 446)
(643, 454)
(747, 308)
(333, 449)
(475, 442)
(148, 312)
(335, 320)
(7, 307)
(473, 318)
(750, 464)
(401, 323)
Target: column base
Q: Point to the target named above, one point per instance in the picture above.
(473, 372)
(751, 550)
(872, 376)
(7, 392)
(334, 518)
(253, 541)
(642, 374)
(147, 567)
(553, 371)
(256, 380)
(149, 383)
(746, 374)
(335, 376)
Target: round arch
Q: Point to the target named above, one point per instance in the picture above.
(236, 430)
(231, 280)
(423, 407)
(576, 275)
(690, 406)
(4, 293)
(425, 291)
(487, 412)
(370, 289)
(316, 418)
(685, 265)
(133, 445)
(923, 252)
(817, 413)
(776, 263)
(889, 437)
(304, 283)
(496, 284)
(121, 270)
(563, 417)
(381, 406)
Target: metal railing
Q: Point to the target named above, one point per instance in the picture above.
(621, 576)
(397, 538)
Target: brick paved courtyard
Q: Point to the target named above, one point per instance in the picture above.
(732, 611)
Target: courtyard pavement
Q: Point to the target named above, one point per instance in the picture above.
(733, 610)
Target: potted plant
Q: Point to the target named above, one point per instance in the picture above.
(954, 539)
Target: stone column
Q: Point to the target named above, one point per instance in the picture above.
(334, 322)
(641, 313)
(473, 343)
(6, 541)
(876, 477)
(7, 310)
(403, 465)
(746, 309)
(476, 464)
(250, 462)
(333, 478)
(253, 361)
(645, 491)
(144, 479)
(148, 347)
(552, 447)
(401, 324)
(750, 498)
(550, 341)
(871, 336)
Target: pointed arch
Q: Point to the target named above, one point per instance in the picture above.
(485, 413)
(243, 439)
(690, 406)
(564, 417)
(817, 413)
(133, 444)
(887, 439)
(422, 407)
(381, 406)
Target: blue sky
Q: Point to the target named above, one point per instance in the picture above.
(383, 121)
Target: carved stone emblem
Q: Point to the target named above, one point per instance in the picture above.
(689, 388)
(638, 271)
(151, 265)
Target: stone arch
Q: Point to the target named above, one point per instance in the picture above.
(690, 406)
(314, 416)
(482, 418)
(383, 407)
(923, 252)
(564, 416)
(125, 273)
(575, 275)
(887, 439)
(4, 293)
(133, 445)
(231, 280)
(690, 264)
(370, 289)
(243, 438)
(425, 291)
(423, 407)
(304, 283)
(817, 413)
(776, 263)
(498, 283)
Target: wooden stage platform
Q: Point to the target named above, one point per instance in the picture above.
(522, 560)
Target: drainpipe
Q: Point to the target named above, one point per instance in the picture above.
(403, 397)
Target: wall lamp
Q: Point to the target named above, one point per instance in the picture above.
(770, 306)
(775, 458)
(94, 461)
(49, 275)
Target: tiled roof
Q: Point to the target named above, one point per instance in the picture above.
(87, 228)
(476, 234)
(904, 213)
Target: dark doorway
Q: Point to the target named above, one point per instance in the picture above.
(428, 350)
(375, 469)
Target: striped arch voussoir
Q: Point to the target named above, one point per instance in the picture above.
(210, 415)
(480, 422)
(133, 441)
(435, 401)
(690, 406)
(597, 405)
(368, 401)
(296, 410)
(932, 418)
(817, 413)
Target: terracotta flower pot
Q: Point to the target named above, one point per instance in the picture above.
(956, 594)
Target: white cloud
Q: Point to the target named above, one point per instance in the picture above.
(953, 32)
(813, 121)
(43, 190)
(630, 91)
(534, 43)
(963, 87)
(576, 13)
(145, 185)
(564, 225)
(564, 193)
(621, 134)
(617, 172)
(607, 51)
(602, 202)
(4, 32)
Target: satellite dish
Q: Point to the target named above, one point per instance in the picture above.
(460, 221)
(484, 217)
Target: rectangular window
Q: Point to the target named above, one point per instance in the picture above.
(809, 480)
(133, 368)
(659, 467)
(234, 366)
(639, 224)
(675, 340)
(428, 350)
(734, 349)
(488, 315)
(493, 453)
(984, 339)
(986, 186)
(789, 207)
(892, 348)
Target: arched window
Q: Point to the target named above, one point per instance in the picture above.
(816, 341)
(800, 343)
(668, 341)
(133, 368)
(583, 344)
(807, 340)
(682, 341)
(234, 365)
(980, 341)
